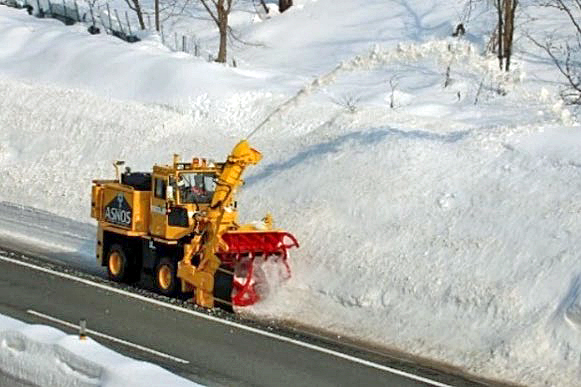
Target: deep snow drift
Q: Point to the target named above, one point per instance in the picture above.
(447, 226)
(48, 357)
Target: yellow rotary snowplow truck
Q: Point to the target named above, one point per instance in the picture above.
(178, 225)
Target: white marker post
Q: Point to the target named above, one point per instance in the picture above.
(83, 329)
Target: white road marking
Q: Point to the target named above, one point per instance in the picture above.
(257, 331)
(110, 338)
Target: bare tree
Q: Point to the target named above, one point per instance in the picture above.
(156, 13)
(506, 10)
(219, 11)
(566, 55)
(509, 15)
(349, 102)
(135, 6)
(168, 9)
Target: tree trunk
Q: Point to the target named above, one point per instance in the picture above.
(139, 14)
(157, 26)
(509, 13)
(500, 33)
(223, 27)
(135, 6)
(283, 5)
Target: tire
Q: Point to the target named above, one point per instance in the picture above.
(118, 266)
(166, 279)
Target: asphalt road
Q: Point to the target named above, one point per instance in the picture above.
(208, 349)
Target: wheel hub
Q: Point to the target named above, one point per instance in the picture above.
(164, 277)
(115, 263)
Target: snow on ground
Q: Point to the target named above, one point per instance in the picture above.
(447, 226)
(45, 356)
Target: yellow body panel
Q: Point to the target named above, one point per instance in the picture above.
(106, 207)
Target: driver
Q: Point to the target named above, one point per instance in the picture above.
(199, 188)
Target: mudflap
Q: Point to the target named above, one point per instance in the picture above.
(223, 285)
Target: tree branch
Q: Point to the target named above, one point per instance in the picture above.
(570, 14)
(130, 5)
(237, 38)
(565, 68)
(214, 17)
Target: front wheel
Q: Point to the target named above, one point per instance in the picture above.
(166, 280)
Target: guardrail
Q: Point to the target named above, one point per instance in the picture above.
(103, 19)
(69, 13)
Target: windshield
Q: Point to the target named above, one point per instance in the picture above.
(196, 187)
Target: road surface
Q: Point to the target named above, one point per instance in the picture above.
(212, 349)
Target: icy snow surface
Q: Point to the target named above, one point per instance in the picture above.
(442, 227)
(48, 357)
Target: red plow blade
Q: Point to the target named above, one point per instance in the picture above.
(244, 249)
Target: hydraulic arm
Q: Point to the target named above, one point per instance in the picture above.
(202, 276)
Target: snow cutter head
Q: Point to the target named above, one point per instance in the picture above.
(247, 253)
(221, 264)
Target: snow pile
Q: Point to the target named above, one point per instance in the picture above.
(461, 246)
(45, 356)
(447, 226)
(107, 65)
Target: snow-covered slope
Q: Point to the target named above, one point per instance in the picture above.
(45, 356)
(447, 226)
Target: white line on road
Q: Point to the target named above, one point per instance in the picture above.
(107, 337)
(257, 331)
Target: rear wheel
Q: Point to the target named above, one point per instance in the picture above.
(166, 280)
(118, 267)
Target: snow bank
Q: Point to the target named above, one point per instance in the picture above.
(447, 226)
(145, 71)
(45, 356)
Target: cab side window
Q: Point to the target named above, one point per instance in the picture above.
(160, 188)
